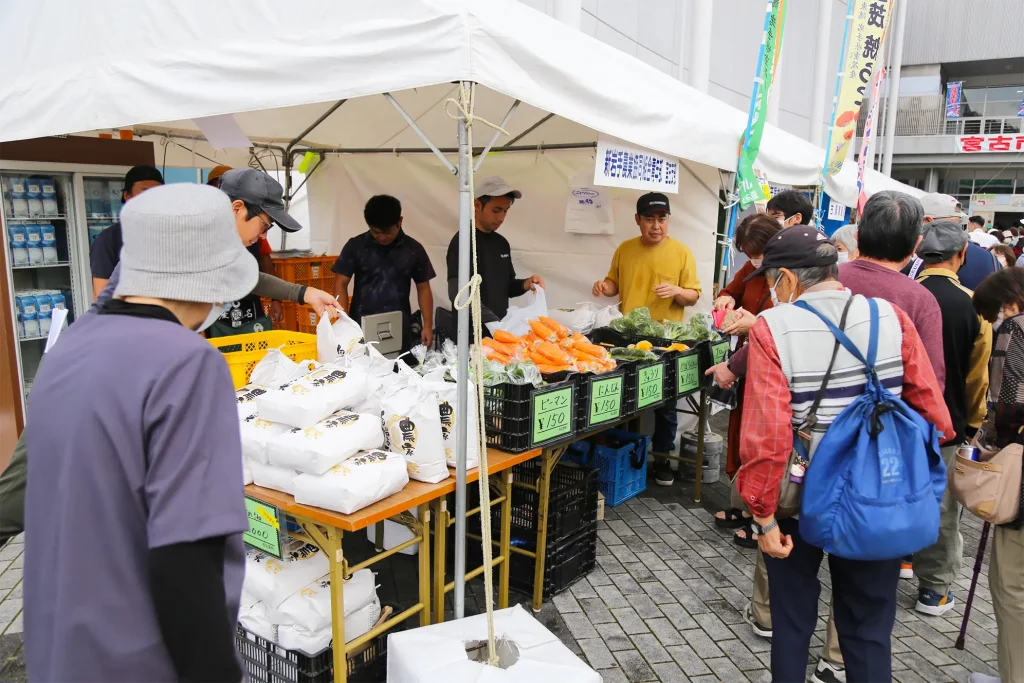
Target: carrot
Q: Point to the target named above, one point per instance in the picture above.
(494, 354)
(595, 368)
(553, 352)
(543, 331)
(587, 358)
(507, 349)
(556, 327)
(588, 348)
(552, 369)
(506, 337)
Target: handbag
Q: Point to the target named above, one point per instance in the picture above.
(790, 491)
(990, 487)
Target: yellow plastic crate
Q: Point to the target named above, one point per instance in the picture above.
(244, 351)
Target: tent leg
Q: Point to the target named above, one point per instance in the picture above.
(497, 134)
(462, 433)
(423, 136)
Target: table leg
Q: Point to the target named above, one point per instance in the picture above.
(506, 539)
(378, 531)
(336, 558)
(548, 459)
(424, 558)
(440, 506)
(699, 464)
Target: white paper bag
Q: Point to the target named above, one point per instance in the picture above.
(246, 399)
(381, 379)
(246, 472)
(516, 320)
(255, 434)
(338, 339)
(272, 581)
(271, 477)
(313, 642)
(305, 401)
(255, 618)
(276, 368)
(310, 608)
(412, 427)
(359, 481)
(448, 402)
(316, 449)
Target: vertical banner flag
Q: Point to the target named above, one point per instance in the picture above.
(865, 30)
(953, 92)
(1020, 111)
(747, 185)
(869, 132)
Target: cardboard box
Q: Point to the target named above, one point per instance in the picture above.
(600, 506)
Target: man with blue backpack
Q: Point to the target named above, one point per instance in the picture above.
(840, 454)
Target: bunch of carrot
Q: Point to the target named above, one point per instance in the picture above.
(551, 346)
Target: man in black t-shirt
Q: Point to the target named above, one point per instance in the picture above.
(383, 260)
(105, 252)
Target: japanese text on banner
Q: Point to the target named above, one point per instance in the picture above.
(953, 93)
(747, 185)
(869, 132)
(865, 33)
(618, 164)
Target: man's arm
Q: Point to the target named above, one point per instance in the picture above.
(977, 376)
(921, 389)
(104, 255)
(929, 328)
(341, 290)
(767, 437)
(426, 301)
(98, 285)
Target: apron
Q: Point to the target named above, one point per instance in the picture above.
(244, 317)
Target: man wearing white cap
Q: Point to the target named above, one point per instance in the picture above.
(134, 508)
(978, 264)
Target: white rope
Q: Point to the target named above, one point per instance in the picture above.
(464, 106)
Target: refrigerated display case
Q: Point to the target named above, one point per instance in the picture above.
(51, 214)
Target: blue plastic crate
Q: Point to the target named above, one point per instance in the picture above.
(620, 480)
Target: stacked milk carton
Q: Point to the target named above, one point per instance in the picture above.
(32, 244)
(34, 308)
(34, 197)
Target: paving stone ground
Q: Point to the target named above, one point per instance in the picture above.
(664, 603)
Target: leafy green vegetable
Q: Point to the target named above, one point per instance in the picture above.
(697, 328)
(621, 353)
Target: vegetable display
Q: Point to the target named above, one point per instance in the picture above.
(551, 347)
(638, 322)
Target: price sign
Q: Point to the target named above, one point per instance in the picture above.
(605, 399)
(719, 351)
(552, 414)
(264, 527)
(687, 374)
(650, 385)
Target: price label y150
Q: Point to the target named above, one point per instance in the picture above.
(650, 385)
(605, 399)
(552, 414)
(687, 374)
(264, 527)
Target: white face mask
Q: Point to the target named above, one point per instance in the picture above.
(774, 295)
(756, 262)
(843, 256)
(216, 311)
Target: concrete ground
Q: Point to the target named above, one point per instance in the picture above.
(665, 602)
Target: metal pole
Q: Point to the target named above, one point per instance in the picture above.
(699, 43)
(497, 134)
(820, 78)
(894, 86)
(423, 136)
(461, 430)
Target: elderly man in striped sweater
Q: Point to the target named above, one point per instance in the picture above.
(788, 359)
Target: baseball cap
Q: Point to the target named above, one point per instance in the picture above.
(495, 186)
(137, 174)
(215, 173)
(942, 206)
(941, 240)
(181, 243)
(795, 247)
(651, 202)
(253, 186)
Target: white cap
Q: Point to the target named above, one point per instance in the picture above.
(942, 206)
(494, 186)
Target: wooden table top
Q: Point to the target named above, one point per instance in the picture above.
(415, 493)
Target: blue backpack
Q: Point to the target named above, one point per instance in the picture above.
(873, 488)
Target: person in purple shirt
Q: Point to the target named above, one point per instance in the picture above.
(134, 507)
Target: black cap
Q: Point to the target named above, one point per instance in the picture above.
(253, 186)
(795, 247)
(651, 202)
(138, 174)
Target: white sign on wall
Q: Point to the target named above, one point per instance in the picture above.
(588, 210)
(618, 164)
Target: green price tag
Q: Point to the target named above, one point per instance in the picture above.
(650, 385)
(552, 414)
(718, 352)
(264, 527)
(688, 374)
(605, 399)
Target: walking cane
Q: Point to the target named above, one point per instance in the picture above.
(974, 582)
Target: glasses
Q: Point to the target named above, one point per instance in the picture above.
(267, 225)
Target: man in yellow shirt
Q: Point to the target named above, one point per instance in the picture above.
(658, 272)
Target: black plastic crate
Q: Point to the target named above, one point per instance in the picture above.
(521, 417)
(565, 563)
(600, 399)
(643, 390)
(265, 662)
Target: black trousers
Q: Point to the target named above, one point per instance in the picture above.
(864, 603)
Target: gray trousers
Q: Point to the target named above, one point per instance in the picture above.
(12, 493)
(937, 566)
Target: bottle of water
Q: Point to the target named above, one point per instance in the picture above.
(19, 201)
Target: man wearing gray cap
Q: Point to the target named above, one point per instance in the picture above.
(494, 198)
(966, 346)
(978, 264)
(134, 509)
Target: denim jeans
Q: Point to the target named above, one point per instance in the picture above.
(665, 423)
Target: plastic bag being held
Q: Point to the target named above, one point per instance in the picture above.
(336, 340)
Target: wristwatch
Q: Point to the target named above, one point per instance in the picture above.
(762, 530)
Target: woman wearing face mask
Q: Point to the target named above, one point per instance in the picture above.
(144, 476)
(845, 239)
(1004, 255)
(748, 299)
(1001, 295)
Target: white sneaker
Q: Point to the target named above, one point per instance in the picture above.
(827, 672)
(983, 678)
(758, 629)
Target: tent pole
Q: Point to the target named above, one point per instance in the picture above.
(462, 433)
(450, 150)
(423, 136)
(494, 138)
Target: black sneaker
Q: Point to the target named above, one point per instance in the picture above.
(663, 474)
(827, 672)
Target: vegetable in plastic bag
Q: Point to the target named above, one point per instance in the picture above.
(627, 354)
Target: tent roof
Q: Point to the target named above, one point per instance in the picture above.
(279, 66)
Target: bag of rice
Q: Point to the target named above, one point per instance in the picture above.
(255, 434)
(448, 401)
(381, 377)
(412, 427)
(255, 618)
(272, 477)
(305, 401)
(313, 642)
(355, 483)
(246, 399)
(272, 581)
(276, 368)
(337, 340)
(316, 449)
(310, 608)
(246, 472)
